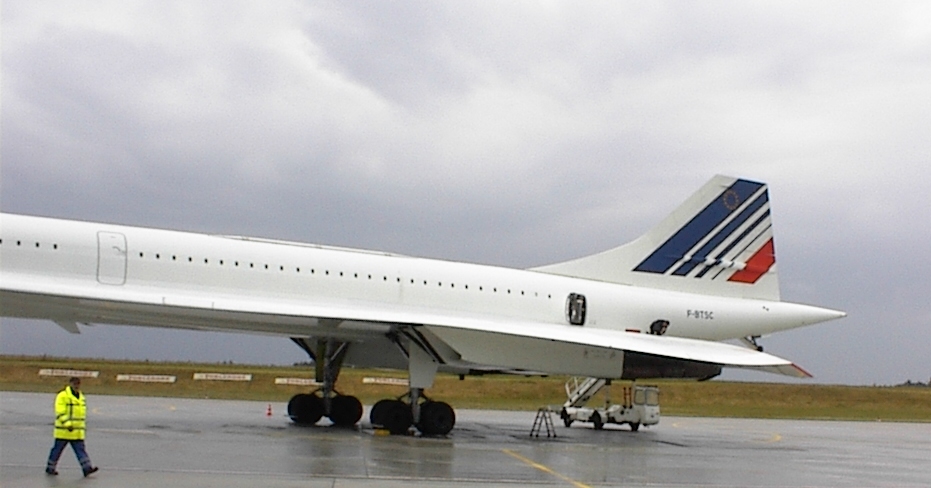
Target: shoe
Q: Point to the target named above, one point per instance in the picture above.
(51, 472)
(90, 471)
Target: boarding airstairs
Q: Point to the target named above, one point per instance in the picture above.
(640, 404)
(580, 393)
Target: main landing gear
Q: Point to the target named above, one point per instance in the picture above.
(414, 409)
(309, 408)
(397, 416)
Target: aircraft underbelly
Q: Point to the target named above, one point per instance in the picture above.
(510, 351)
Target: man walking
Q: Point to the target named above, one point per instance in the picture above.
(70, 415)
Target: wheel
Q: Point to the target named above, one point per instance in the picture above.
(634, 426)
(436, 418)
(596, 419)
(378, 412)
(397, 417)
(345, 410)
(564, 415)
(305, 409)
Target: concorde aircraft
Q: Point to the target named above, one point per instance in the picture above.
(656, 307)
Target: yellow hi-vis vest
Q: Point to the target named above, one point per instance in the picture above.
(70, 415)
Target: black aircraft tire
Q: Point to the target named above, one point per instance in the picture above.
(397, 417)
(345, 410)
(436, 418)
(294, 405)
(377, 414)
(305, 409)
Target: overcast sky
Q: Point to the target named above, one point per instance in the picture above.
(506, 133)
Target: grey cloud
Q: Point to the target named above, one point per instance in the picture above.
(514, 134)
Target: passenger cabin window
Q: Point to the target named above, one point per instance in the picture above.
(575, 309)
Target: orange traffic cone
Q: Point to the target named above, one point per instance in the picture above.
(268, 413)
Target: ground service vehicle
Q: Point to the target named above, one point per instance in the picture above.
(640, 405)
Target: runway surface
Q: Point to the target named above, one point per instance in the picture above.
(159, 442)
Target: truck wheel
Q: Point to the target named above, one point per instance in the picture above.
(566, 420)
(596, 419)
(635, 426)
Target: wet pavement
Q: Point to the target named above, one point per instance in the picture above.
(147, 442)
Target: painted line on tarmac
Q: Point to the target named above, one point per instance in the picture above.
(544, 468)
(126, 431)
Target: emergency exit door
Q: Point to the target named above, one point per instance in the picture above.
(111, 258)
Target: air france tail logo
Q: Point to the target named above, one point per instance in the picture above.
(731, 238)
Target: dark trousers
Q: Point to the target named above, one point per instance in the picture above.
(79, 451)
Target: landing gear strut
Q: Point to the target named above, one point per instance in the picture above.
(430, 417)
(751, 342)
(309, 408)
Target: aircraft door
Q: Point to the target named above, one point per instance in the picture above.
(575, 309)
(111, 258)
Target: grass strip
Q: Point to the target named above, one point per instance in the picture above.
(501, 392)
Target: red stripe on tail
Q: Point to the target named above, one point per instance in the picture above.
(757, 265)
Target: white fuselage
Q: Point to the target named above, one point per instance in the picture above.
(118, 273)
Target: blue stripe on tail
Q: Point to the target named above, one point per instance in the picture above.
(699, 256)
(671, 251)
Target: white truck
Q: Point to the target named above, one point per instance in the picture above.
(640, 405)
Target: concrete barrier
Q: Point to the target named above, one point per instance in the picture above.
(385, 381)
(147, 378)
(69, 372)
(222, 377)
(296, 381)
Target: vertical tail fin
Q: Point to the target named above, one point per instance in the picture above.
(718, 242)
